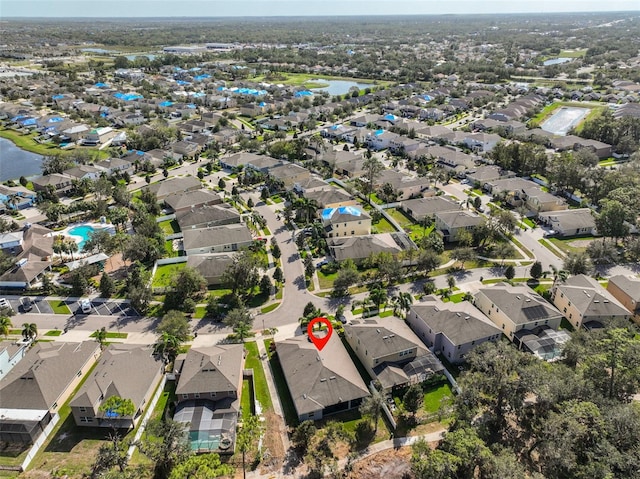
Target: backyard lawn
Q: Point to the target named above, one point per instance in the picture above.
(164, 274)
(290, 416)
(326, 279)
(169, 227)
(382, 226)
(403, 220)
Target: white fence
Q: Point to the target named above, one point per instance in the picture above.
(39, 442)
(160, 219)
(147, 415)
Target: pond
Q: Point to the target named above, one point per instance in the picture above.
(133, 57)
(340, 87)
(564, 119)
(16, 162)
(556, 61)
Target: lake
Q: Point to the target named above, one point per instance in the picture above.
(16, 162)
(133, 57)
(340, 87)
(564, 119)
(556, 61)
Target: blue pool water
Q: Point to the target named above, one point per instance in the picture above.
(84, 231)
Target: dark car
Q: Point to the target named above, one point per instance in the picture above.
(27, 304)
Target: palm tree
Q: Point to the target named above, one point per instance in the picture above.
(167, 346)
(29, 331)
(5, 325)
(372, 407)
(402, 302)
(377, 296)
(100, 335)
(71, 247)
(242, 330)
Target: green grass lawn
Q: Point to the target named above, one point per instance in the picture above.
(252, 361)
(59, 307)
(382, 226)
(164, 274)
(169, 227)
(528, 222)
(199, 312)
(165, 400)
(111, 335)
(326, 280)
(53, 332)
(434, 395)
(565, 244)
(455, 298)
(268, 309)
(27, 142)
(245, 402)
(169, 252)
(403, 220)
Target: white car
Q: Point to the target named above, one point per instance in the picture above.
(85, 306)
(4, 303)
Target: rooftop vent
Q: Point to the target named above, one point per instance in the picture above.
(332, 377)
(385, 337)
(518, 297)
(378, 331)
(323, 380)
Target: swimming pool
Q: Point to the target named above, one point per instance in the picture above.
(83, 231)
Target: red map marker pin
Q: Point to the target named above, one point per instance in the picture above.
(319, 342)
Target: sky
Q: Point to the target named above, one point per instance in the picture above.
(256, 8)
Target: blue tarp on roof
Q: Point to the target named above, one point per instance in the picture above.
(262, 104)
(221, 88)
(101, 85)
(18, 118)
(28, 122)
(379, 132)
(165, 103)
(427, 97)
(55, 119)
(390, 117)
(182, 82)
(197, 94)
(195, 69)
(191, 106)
(328, 213)
(300, 94)
(127, 96)
(57, 97)
(202, 77)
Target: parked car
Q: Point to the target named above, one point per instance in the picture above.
(27, 303)
(550, 233)
(85, 306)
(5, 304)
(322, 263)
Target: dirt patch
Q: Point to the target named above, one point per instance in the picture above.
(583, 243)
(272, 443)
(389, 464)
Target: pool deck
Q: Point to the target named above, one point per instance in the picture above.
(77, 238)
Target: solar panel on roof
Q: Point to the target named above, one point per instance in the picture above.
(533, 313)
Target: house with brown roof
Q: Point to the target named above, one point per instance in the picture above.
(37, 387)
(390, 352)
(584, 302)
(114, 376)
(208, 391)
(626, 289)
(321, 382)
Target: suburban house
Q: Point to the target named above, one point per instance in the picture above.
(380, 139)
(626, 289)
(359, 248)
(210, 266)
(192, 199)
(238, 159)
(98, 136)
(26, 272)
(35, 389)
(175, 185)
(207, 216)
(208, 390)
(570, 222)
(450, 223)
(516, 308)
(483, 174)
(290, 175)
(115, 376)
(482, 142)
(115, 165)
(61, 183)
(345, 221)
(404, 186)
(521, 192)
(421, 208)
(186, 148)
(390, 352)
(82, 172)
(451, 329)
(330, 197)
(10, 354)
(572, 142)
(321, 382)
(217, 239)
(16, 197)
(584, 302)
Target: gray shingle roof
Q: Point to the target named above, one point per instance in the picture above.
(591, 299)
(520, 303)
(194, 198)
(361, 247)
(318, 379)
(44, 374)
(212, 369)
(460, 322)
(216, 236)
(207, 214)
(628, 284)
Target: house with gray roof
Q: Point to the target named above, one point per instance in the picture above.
(82, 172)
(584, 302)
(345, 221)
(114, 376)
(404, 186)
(391, 352)
(210, 266)
(175, 185)
(192, 199)
(321, 382)
(626, 289)
(291, 175)
(421, 208)
(450, 223)
(208, 391)
(483, 174)
(330, 197)
(60, 183)
(206, 216)
(451, 329)
(217, 239)
(115, 165)
(359, 248)
(38, 386)
(514, 308)
(570, 222)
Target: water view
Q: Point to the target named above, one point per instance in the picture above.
(556, 61)
(340, 87)
(16, 162)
